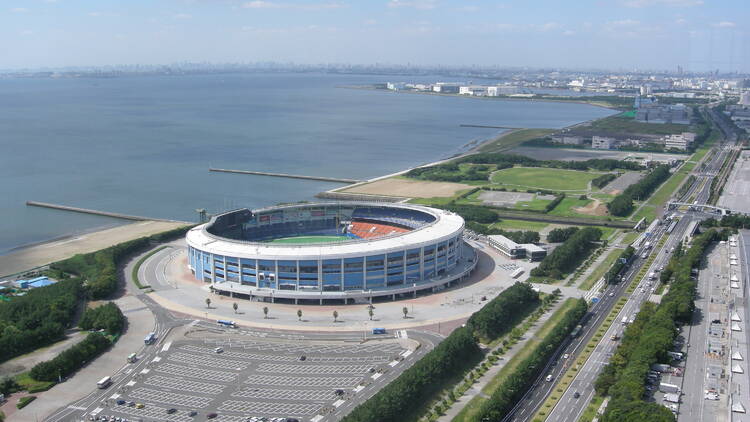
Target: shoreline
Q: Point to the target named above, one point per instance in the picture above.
(485, 98)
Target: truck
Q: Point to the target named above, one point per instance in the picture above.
(624, 320)
(132, 358)
(647, 246)
(652, 275)
(614, 337)
(668, 388)
(226, 323)
(576, 331)
(150, 338)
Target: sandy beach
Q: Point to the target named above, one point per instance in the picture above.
(56, 250)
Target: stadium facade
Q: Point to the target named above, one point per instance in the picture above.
(322, 251)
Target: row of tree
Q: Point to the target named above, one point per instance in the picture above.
(404, 397)
(516, 383)
(71, 359)
(98, 269)
(561, 234)
(504, 312)
(568, 255)
(106, 317)
(603, 180)
(476, 213)
(622, 204)
(648, 340)
(555, 202)
(38, 318)
(613, 274)
(736, 221)
(519, 236)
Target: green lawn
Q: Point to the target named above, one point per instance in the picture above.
(544, 178)
(470, 411)
(309, 239)
(565, 207)
(520, 225)
(514, 138)
(601, 269)
(535, 204)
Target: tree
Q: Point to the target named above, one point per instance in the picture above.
(335, 316)
(299, 314)
(234, 306)
(405, 310)
(370, 312)
(208, 302)
(265, 312)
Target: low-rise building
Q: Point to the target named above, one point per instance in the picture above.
(515, 250)
(603, 142)
(681, 142)
(567, 139)
(660, 113)
(476, 90)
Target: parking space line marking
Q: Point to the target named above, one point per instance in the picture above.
(359, 388)
(157, 359)
(316, 418)
(407, 353)
(166, 346)
(338, 403)
(394, 363)
(376, 376)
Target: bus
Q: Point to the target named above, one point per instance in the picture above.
(576, 331)
(132, 358)
(226, 323)
(150, 338)
(378, 330)
(104, 382)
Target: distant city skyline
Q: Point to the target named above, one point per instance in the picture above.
(697, 35)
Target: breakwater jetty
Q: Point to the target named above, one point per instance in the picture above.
(97, 212)
(489, 127)
(290, 176)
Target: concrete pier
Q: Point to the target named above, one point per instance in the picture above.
(290, 176)
(490, 127)
(97, 212)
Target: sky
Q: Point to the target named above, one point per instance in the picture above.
(698, 35)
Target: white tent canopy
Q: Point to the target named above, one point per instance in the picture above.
(736, 317)
(736, 327)
(736, 356)
(737, 369)
(737, 407)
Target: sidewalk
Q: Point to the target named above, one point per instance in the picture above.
(476, 389)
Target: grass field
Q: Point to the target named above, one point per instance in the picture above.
(514, 138)
(309, 239)
(601, 269)
(544, 178)
(535, 204)
(520, 225)
(472, 408)
(565, 207)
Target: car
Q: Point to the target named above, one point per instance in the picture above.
(611, 294)
(212, 415)
(218, 350)
(139, 405)
(565, 356)
(576, 395)
(371, 370)
(549, 378)
(192, 413)
(172, 410)
(120, 402)
(339, 392)
(292, 420)
(131, 403)
(303, 358)
(649, 388)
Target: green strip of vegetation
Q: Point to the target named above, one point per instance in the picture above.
(406, 397)
(514, 138)
(567, 256)
(513, 381)
(622, 205)
(137, 266)
(601, 269)
(24, 401)
(508, 224)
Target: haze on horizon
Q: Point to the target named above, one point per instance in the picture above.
(697, 35)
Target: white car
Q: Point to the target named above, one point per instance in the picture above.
(565, 356)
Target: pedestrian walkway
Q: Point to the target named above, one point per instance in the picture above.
(612, 245)
(476, 389)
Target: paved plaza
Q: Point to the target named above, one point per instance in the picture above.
(239, 376)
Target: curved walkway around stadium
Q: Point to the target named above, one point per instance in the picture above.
(176, 289)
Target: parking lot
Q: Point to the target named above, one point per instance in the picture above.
(239, 377)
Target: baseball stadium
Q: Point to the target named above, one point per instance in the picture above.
(330, 252)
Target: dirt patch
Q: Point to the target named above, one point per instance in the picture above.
(409, 188)
(595, 207)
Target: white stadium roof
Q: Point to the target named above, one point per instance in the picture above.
(446, 226)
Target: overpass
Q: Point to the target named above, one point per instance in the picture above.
(701, 207)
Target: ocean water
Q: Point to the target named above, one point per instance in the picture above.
(143, 145)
